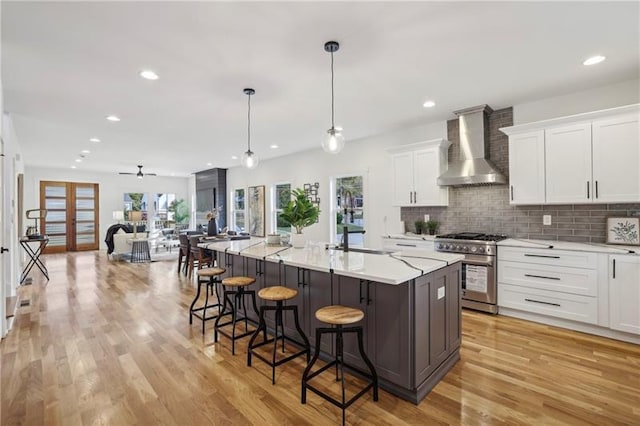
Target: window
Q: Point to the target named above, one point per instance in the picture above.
(348, 209)
(135, 202)
(238, 205)
(280, 196)
(161, 203)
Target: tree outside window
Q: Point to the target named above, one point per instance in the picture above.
(281, 196)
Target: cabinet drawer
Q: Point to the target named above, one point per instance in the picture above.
(389, 244)
(569, 306)
(553, 278)
(542, 256)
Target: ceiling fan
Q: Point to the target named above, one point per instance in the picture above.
(139, 174)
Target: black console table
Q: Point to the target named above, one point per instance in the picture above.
(34, 255)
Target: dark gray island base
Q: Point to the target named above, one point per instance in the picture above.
(411, 330)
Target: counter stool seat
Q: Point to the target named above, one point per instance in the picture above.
(238, 281)
(277, 294)
(208, 277)
(339, 316)
(234, 298)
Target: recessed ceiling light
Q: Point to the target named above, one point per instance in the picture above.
(149, 75)
(73, 167)
(94, 140)
(594, 60)
(274, 146)
(112, 118)
(429, 104)
(78, 160)
(209, 164)
(234, 157)
(86, 151)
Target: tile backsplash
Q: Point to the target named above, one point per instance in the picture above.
(485, 208)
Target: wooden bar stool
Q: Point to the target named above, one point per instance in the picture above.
(208, 277)
(339, 316)
(277, 294)
(235, 299)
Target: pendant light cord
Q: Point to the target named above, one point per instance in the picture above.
(332, 101)
(249, 124)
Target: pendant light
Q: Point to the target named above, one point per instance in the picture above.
(249, 158)
(333, 141)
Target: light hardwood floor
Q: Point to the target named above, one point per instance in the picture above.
(110, 343)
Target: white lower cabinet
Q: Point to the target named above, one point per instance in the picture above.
(557, 283)
(401, 244)
(624, 293)
(596, 292)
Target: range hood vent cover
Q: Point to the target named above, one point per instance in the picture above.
(472, 168)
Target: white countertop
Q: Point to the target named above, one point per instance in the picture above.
(565, 245)
(384, 268)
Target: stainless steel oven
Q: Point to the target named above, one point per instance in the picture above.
(479, 284)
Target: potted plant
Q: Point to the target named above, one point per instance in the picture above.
(299, 212)
(432, 225)
(420, 226)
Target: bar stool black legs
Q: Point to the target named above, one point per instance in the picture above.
(209, 278)
(235, 299)
(269, 293)
(336, 316)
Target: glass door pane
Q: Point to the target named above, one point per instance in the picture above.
(54, 225)
(85, 219)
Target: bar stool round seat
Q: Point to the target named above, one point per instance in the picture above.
(233, 299)
(238, 281)
(209, 278)
(278, 294)
(339, 315)
(210, 272)
(341, 319)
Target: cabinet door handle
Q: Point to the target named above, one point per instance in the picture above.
(368, 288)
(511, 192)
(614, 268)
(415, 197)
(542, 276)
(544, 303)
(588, 196)
(406, 245)
(596, 189)
(542, 255)
(360, 292)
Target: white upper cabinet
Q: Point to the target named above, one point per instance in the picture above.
(526, 168)
(415, 170)
(586, 158)
(568, 164)
(616, 159)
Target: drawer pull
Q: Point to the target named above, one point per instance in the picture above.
(542, 276)
(541, 255)
(544, 303)
(406, 245)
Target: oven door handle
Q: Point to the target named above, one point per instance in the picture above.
(487, 263)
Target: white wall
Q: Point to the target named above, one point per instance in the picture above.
(366, 156)
(111, 185)
(625, 93)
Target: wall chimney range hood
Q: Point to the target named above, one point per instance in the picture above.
(472, 168)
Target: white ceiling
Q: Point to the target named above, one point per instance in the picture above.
(65, 66)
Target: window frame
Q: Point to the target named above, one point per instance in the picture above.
(274, 211)
(333, 210)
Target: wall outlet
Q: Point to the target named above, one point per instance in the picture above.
(546, 219)
(441, 292)
(426, 218)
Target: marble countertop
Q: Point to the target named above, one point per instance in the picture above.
(394, 268)
(565, 245)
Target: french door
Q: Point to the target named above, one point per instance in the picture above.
(72, 216)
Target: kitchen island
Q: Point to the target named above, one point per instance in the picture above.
(411, 302)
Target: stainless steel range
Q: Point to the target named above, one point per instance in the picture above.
(479, 290)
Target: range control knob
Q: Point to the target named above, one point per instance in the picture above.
(447, 246)
(465, 248)
(458, 247)
(481, 249)
(474, 249)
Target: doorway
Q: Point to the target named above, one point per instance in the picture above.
(72, 216)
